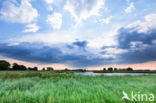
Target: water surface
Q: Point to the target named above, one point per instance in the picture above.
(112, 74)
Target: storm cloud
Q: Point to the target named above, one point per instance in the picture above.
(39, 53)
(141, 46)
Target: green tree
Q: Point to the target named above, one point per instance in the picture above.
(43, 69)
(104, 69)
(18, 67)
(115, 69)
(110, 69)
(130, 69)
(66, 69)
(4, 65)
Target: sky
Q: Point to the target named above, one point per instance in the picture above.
(79, 33)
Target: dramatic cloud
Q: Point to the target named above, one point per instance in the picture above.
(139, 40)
(130, 8)
(31, 28)
(133, 46)
(39, 53)
(135, 43)
(55, 20)
(15, 12)
(83, 9)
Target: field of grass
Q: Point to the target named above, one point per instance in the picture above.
(49, 87)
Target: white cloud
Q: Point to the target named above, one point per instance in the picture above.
(55, 20)
(14, 12)
(83, 9)
(49, 1)
(130, 8)
(31, 28)
(106, 39)
(47, 38)
(105, 20)
(144, 26)
(50, 8)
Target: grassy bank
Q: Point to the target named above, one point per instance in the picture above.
(49, 87)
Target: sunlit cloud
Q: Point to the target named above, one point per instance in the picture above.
(15, 12)
(82, 10)
(55, 20)
(31, 28)
(130, 8)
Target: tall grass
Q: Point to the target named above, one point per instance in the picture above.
(66, 88)
(14, 75)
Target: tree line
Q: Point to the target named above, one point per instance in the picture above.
(116, 69)
(4, 65)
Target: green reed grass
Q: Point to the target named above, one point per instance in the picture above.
(41, 87)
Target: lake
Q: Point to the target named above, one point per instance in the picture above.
(112, 74)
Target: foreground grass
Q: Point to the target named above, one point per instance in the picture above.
(38, 87)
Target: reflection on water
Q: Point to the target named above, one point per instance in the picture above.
(111, 74)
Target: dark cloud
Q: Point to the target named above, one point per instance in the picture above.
(80, 56)
(38, 53)
(125, 37)
(81, 44)
(31, 52)
(69, 46)
(138, 56)
(141, 53)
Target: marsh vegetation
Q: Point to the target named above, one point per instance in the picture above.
(52, 87)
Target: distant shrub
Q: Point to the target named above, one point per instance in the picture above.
(115, 69)
(43, 69)
(66, 69)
